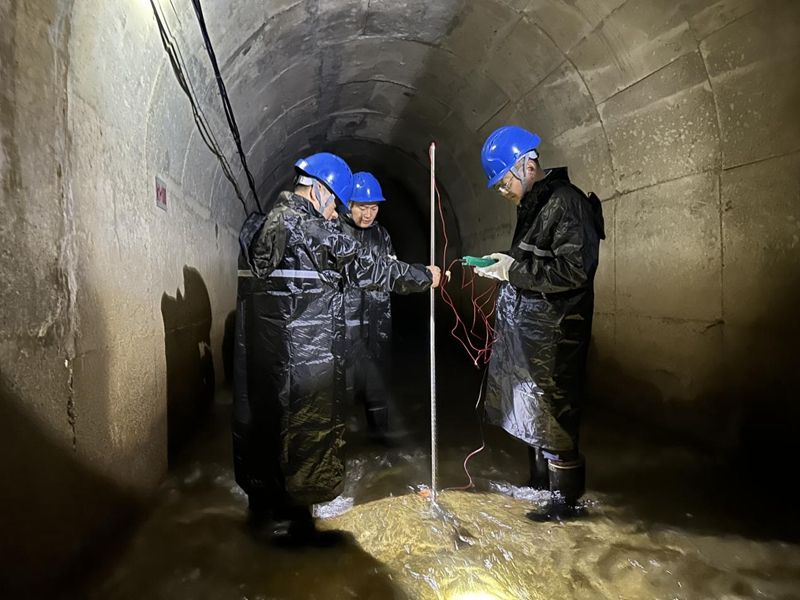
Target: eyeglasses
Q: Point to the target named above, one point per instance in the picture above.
(504, 186)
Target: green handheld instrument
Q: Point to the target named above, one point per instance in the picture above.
(477, 261)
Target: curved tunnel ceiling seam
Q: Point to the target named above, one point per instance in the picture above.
(545, 34)
(387, 117)
(544, 78)
(385, 38)
(645, 77)
(388, 38)
(702, 38)
(280, 117)
(452, 112)
(379, 80)
(406, 152)
(649, 186)
(356, 136)
(600, 24)
(321, 120)
(250, 39)
(760, 159)
(360, 111)
(494, 115)
(612, 164)
(186, 152)
(718, 117)
(667, 98)
(151, 112)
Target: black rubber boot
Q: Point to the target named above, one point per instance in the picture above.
(539, 474)
(567, 483)
(259, 516)
(295, 527)
(378, 425)
(301, 524)
(568, 478)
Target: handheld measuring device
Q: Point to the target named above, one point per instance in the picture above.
(477, 261)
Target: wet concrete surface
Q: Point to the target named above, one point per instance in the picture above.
(663, 520)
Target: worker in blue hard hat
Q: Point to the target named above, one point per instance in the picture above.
(368, 312)
(288, 413)
(543, 322)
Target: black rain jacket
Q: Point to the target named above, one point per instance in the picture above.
(544, 316)
(288, 421)
(368, 313)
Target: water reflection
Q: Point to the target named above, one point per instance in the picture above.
(662, 522)
(472, 545)
(594, 557)
(195, 545)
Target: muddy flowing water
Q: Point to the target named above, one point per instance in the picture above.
(662, 522)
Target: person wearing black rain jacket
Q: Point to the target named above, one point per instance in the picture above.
(288, 425)
(368, 313)
(544, 313)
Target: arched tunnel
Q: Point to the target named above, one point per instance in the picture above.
(120, 232)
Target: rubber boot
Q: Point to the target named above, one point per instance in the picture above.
(567, 483)
(295, 527)
(259, 516)
(568, 478)
(301, 524)
(539, 472)
(377, 416)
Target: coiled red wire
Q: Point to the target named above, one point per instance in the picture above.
(476, 343)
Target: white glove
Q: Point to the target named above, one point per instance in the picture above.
(498, 270)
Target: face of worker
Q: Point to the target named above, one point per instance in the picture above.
(364, 213)
(512, 188)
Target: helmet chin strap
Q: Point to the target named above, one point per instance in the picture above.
(520, 169)
(323, 205)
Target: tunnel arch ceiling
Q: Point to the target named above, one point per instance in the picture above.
(658, 106)
(591, 77)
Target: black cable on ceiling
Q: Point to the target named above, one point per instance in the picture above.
(179, 68)
(226, 103)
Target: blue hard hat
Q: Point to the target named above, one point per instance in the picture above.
(503, 148)
(366, 188)
(330, 170)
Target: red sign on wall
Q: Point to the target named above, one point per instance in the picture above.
(161, 194)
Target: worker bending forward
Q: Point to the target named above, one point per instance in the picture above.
(544, 313)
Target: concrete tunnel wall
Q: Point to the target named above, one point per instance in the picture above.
(680, 115)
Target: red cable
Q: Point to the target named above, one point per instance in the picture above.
(478, 303)
(466, 334)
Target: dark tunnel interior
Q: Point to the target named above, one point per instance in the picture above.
(122, 198)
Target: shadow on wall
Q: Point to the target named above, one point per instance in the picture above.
(762, 377)
(190, 364)
(59, 514)
(46, 525)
